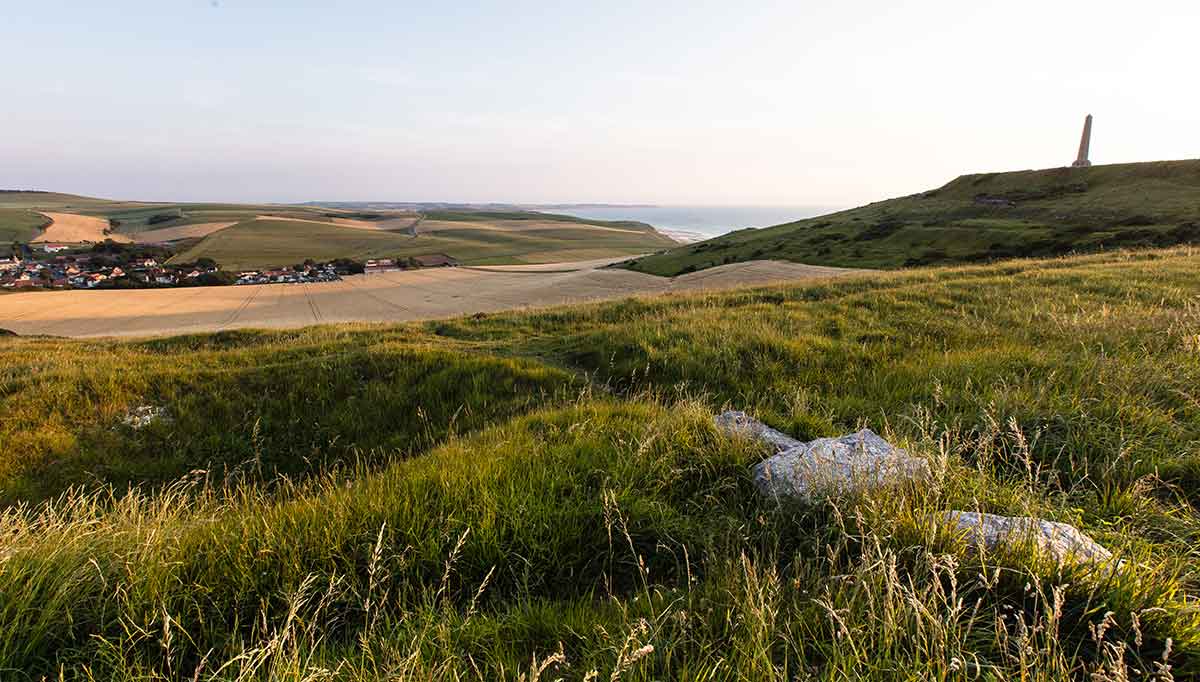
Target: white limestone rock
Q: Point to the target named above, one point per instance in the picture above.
(740, 424)
(1062, 542)
(144, 415)
(825, 466)
(831, 466)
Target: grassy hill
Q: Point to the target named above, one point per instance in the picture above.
(544, 494)
(978, 218)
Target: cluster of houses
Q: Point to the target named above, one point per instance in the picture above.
(327, 272)
(88, 271)
(92, 270)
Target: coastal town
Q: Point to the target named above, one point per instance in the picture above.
(83, 272)
(109, 266)
(115, 266)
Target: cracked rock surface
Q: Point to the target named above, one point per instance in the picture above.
(1060, 541)
(825, 466)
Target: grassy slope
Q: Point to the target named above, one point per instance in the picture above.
(263, 243)
(614, 517)
(1053, 212)
(535, 216)
(19, 225)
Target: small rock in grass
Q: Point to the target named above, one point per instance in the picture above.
(829, 466)
(824, 466)
(741, 424)
(144, 415)
(1060, 541)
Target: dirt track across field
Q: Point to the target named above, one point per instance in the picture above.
(170, 234)
(341, 222)
(72, 229)
(380, 297)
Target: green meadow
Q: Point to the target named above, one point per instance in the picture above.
(543, 496)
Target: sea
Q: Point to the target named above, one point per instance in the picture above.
(696, 223)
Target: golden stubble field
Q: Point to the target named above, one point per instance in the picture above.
(72, 228)
(378, 297)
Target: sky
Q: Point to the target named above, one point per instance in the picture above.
(694, 102)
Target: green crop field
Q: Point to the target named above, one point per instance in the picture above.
(978, 218)
(544, 496)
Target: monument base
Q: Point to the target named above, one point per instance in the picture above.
(1081, 164)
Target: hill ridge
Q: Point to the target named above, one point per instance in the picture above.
(977, 217)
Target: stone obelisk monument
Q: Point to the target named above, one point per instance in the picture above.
(1085, 144)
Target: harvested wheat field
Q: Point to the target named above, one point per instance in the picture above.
(380, 297)
(72, 228)
(171, 234)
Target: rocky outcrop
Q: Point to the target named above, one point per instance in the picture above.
(826, 466)
(863, 461)
(1061, 542)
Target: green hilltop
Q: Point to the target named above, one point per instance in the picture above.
(980, 217)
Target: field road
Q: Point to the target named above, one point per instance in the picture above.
(378, 297)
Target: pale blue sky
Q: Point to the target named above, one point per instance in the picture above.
(829, 103)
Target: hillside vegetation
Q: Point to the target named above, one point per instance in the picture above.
(975, 218)
(544, 495)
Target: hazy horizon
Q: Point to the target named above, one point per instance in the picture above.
(668, 104)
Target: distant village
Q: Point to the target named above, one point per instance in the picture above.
(120, 266)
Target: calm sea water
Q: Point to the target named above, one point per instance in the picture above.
(701, 222)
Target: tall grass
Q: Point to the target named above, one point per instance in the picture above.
(263, 404)
(566, 510)
(624, 535)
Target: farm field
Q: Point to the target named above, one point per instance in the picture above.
(70, 227)
(543, 494)
(172, 234)
(378, 297)
(240, 237)
(270, 242)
